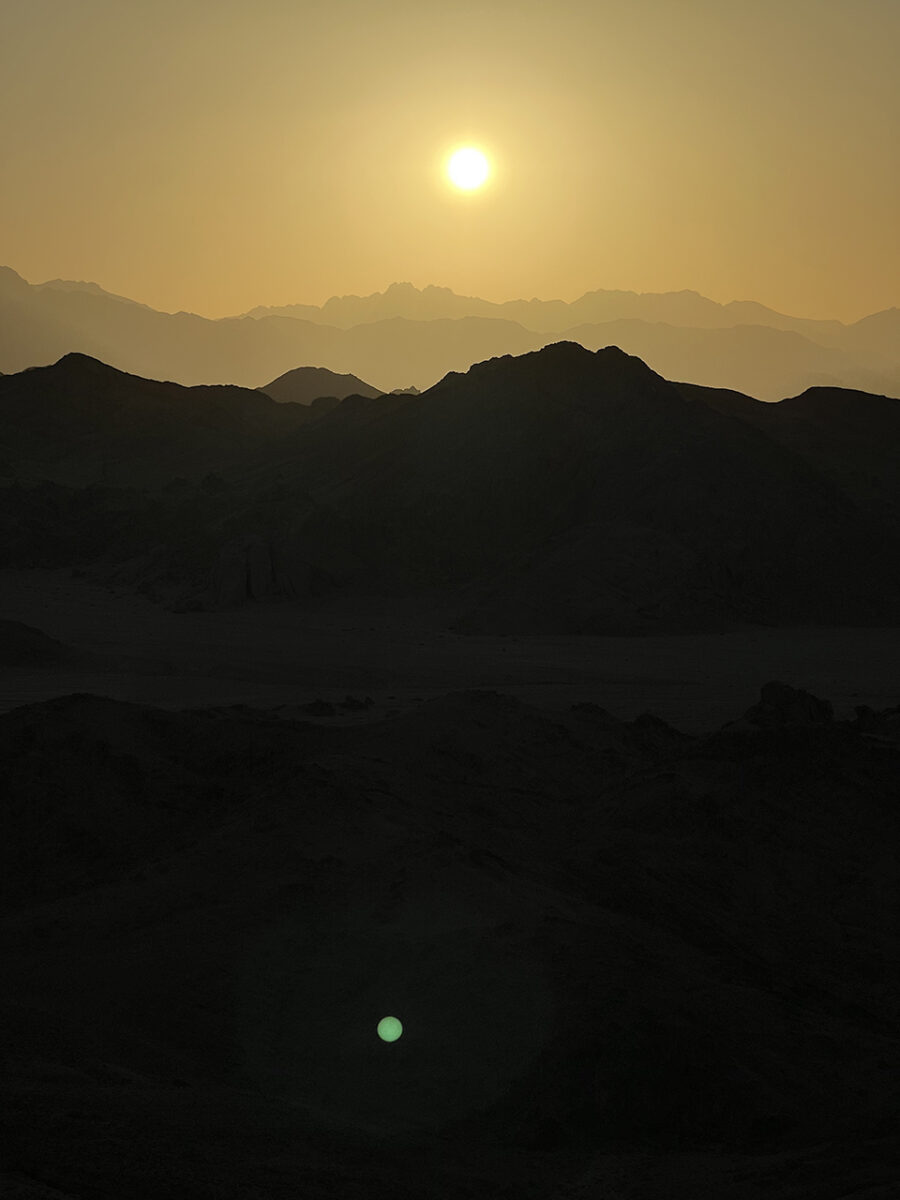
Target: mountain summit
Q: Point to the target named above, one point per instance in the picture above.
(303, 385)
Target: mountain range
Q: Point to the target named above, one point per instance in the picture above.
(406, 337)
(684, 308)
(563, 490)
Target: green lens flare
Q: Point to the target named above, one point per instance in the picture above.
(389, 1029)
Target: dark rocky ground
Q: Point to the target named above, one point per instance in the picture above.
(629, 962)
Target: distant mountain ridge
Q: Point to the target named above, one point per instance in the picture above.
(81, 285)
(560, 491)
(683, 308)
(741, 346)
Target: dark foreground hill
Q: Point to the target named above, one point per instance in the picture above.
(561, 491)
(850, 436)
(81, 422)
(627, 962)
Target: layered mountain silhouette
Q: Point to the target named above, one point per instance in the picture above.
(562, 490)
(685, 308)
(405, 337)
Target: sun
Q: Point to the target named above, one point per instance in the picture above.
(468, 168)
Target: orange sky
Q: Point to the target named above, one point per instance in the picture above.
(212, 155)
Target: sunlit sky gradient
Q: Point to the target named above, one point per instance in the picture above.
(212, 155)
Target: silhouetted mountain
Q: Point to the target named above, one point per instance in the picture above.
(306, 384)
(618, 952)
(604, 501)
(80, 422)
(562, 490)
(759, 361)
(851, 437)
(40, 324)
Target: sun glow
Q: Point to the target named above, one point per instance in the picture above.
(468, 168)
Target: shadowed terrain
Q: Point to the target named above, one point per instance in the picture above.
(626, 959)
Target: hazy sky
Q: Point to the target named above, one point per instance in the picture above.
(212, 155)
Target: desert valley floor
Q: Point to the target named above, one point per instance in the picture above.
(269, 655)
